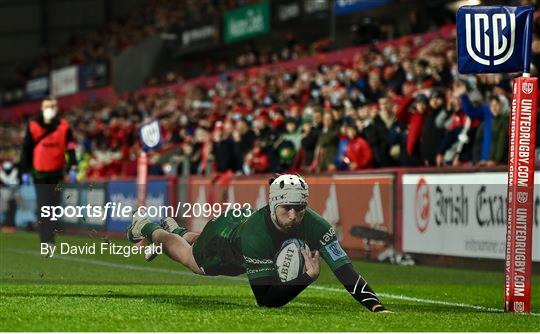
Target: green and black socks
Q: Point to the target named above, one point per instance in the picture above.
(149, 228)
(180, 231)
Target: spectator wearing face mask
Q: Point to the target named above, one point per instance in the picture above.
(47, 140)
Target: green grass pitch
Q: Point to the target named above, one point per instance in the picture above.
(113, 293)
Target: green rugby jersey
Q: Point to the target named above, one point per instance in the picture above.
(231, 246)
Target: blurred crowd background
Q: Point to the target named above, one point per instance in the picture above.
(393, 99)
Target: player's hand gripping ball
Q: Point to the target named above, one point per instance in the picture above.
(290, 261)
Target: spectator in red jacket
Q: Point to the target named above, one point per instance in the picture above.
(412, 120)
(256, 161)
(354, 151)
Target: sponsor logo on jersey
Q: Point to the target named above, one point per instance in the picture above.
(328, 236)
(335, 251)
(257, 261)
(258, 270)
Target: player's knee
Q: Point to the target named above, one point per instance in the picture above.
(159, 236)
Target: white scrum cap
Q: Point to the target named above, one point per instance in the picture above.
(287, 189)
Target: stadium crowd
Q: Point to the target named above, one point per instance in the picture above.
(150, 18)
(398, 106)
(252, 56)
(146, 19)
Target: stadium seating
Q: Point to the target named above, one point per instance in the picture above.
(147, 18)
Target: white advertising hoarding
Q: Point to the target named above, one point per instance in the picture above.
(64, 81)
(461, 214)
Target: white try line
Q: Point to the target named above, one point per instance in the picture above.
(316, 287)
(110, 264)
(425, 301)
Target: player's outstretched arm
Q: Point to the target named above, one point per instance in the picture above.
(359, 288)
(270, 292)
(323, 236)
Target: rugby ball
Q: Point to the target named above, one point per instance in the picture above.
(289, 260)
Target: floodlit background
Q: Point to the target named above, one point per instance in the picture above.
(363, 98)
